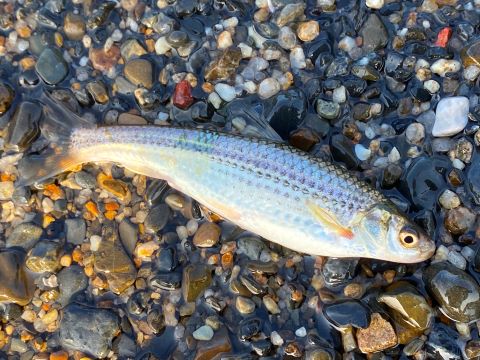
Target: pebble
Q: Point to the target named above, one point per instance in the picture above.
(44, 257)
(449, 200)
(451, 116)
(226, 92)
(131, 49)
(182, 96)
(207, 235)
(432, 86)
(268, 88)
(459, 219)
(378, 336)
(75, 332)
(203, 333)
(415, 133)
(51, 66)
(308, 30)
(289, 13)
(16, 289)
(471, 72)
(75, 230)
(71, 282)
(104, 60)
(457, 260)
(24, 235)
(374, 4)
(139, 72)
(244, 305)
(6, 190)
(6, 97)
(224, 40)
(457, 292)
(362, 152)
(74, 26)
(328, 110)
(271, 305)
(196, 279)
(374, 34)
(287, 38)
(442, 67)
(297, 58)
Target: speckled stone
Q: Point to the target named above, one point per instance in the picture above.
(139, 72)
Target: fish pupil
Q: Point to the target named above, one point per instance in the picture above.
(408, 239)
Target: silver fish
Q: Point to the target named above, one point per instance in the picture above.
(274, 190)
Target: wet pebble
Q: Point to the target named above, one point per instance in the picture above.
(75, 230)
(51, 66)
(16, 289)
(451, 116)
(44, 257)
(457, 292)
(268, 88)
(139, 72)
(203, 333)
(71, 281)
(207, 235)
(157, 218)
(74, 26)
(24, 235)
(378, 336)
(6, 97)
(75, 330)
(459, 219)
(350, 312)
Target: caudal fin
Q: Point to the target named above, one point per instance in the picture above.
(57, 126)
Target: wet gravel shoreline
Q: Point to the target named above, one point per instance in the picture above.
(104, 263)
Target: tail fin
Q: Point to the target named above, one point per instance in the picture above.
(57, 126)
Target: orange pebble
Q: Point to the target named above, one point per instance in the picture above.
(47, 220)
(112, 206)
(46, 307)
(53, 191)
(77, 255)
(227, 260)
(59, 355)
(110, 215)
(92, 208)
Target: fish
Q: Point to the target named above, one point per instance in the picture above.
(267, 187)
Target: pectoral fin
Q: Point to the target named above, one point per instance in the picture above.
(329, 220)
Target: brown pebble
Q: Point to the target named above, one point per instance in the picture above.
(104, 60)
(378, 336)
(207, 235)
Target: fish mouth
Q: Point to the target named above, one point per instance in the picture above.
(427, 249)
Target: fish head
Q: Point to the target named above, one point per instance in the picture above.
(389, 235)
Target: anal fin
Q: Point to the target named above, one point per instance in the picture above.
(328, 220)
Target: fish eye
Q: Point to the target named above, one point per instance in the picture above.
(408, 237)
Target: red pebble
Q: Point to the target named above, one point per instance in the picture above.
(182, 97)
(443, 37)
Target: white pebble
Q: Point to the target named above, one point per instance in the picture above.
(451, 116)
(230, 22)
(95, 241)
(301, 332)
(432, 86)
(415, 133)
(449, 200)
(162, 46)
(268, 87)
(347, 44)
(394, 155)
(116, 35)
(246, 50)
(441, 253)
(362, 152)
(192, 226)
(276, 339)
(444, 66)
(250, 87)
(471, 72)
(225, 91)
(204, 333)
(339, 95)
(182, 232)
(458, 164)
(375, 4)
(297, 58)
(457, 260)
(215, 100)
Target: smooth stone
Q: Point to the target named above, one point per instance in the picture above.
(451, 116)
(407, 306)
(346, 313)
(44, 257)
(244, 305)
(251, 247)
(339, 271)
(85, 180)
(131, 48)
(303, 139)
(157, 218)
(268, 88)
(343, 151)
(98, 91)
(23, 127)
(308, 30)
(177, 38)
(459, 220)
(104, 60)
(225, 91)
(207, 235)
(449, 200)
(139, 72)
(71, 281)
(6, 190)
(374, 4)
(250, 327)
(112, 260)
(6, 97)
(16, 286)
(74, 26)
(24, 235)
(196, 279)
(442, 343)
(225, 66)
(289, 13)
(51, 66)
(443, 66)
(473, 180)
(287, 38)
(328, 110)
(415, 133)
(374, 34)
(75, 230)
(203, 333)
(378, 336)
(457, 292)
(88, 330)
(220, 343)
(166, 259)
(128, 235)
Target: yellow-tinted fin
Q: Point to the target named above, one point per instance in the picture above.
(329, 220)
